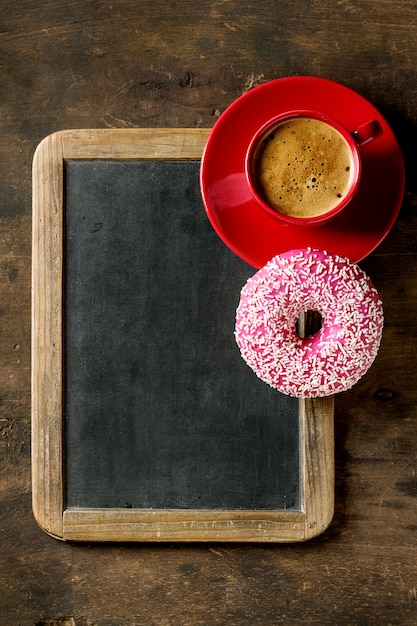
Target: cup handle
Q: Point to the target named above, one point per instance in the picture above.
(367, 132)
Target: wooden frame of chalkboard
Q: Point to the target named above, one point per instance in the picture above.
(103, 523)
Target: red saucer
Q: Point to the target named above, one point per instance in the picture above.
(246, 228)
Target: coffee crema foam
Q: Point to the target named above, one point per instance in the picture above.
(304, 167)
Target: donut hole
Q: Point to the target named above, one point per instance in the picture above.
(309, 323)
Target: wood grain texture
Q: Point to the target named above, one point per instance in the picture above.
(157, 63)
(47, 281)
(48, 313)
(318, 493)
(143, 143)
(184, 526)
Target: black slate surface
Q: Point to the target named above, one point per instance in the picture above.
(160, 409)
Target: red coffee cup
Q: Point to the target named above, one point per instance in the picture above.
(304, 167)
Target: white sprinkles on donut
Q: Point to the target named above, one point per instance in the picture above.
(335, 358)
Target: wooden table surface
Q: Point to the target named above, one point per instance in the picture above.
(172, 63)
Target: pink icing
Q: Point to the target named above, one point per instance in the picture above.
(341, 352)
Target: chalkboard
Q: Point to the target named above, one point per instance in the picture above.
(160, 431)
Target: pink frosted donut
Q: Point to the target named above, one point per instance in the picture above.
(336, 357)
